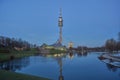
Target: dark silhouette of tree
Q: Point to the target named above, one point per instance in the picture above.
(117, 46)
(110, 45)
(11, 43)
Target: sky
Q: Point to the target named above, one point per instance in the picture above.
(86, 22)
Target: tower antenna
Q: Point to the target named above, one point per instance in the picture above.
(60, 12)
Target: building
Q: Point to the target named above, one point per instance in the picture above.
(70, 45)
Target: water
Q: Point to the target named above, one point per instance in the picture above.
(67, 67)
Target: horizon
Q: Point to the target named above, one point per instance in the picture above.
(85, 23)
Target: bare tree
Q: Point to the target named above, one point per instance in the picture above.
(110, 45)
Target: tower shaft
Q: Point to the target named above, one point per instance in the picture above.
(60, 24)
(60, 35)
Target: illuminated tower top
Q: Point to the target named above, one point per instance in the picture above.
(60, 20)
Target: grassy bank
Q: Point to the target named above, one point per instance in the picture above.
(16, 54)
(56, 51)
(6, 75)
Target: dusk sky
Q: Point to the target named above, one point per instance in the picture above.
(86, 22)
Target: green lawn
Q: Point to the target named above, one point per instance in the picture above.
(55, 51)
(16, 54)
(7, 75)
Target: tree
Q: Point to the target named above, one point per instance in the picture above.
(118, 46)
(110, 45)
(7, 42)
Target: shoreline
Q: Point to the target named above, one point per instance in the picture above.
(16, 54)
(8, 75)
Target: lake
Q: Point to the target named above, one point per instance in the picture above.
(64, 67)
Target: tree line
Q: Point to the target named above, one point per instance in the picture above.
(112, 45)
(11, 43)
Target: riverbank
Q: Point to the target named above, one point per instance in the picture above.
(17, 54)
(56, 51)
(7, 75)
(52, 51)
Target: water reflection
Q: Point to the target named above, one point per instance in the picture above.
(16, 64)
(61, 77)
(109, 66)
(113, 68)
(64, 66)
(58, 58)
(71, 55)
(19, 64)
(82, 54)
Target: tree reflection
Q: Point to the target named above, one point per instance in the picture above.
(111, 67)
(16, 64)
(82, 54)
(71, 55)
(108, 62)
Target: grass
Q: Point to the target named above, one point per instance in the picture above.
(56, 51)
(16, 54)
(7, 75)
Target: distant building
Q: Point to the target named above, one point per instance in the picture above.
(70, 45)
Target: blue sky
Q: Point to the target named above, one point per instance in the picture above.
(86, 22)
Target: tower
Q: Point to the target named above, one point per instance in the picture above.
(58, 43)
(60, 24)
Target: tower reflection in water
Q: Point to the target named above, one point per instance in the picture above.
(59, 57)
(61, 77)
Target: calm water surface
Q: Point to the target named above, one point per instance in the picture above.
(67, 67)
